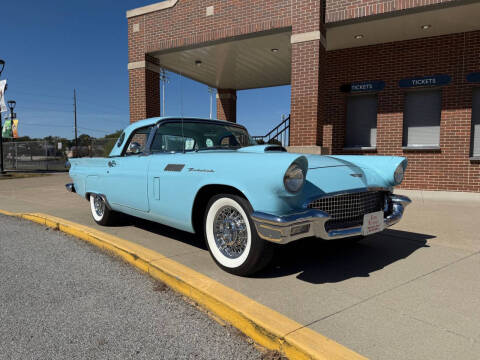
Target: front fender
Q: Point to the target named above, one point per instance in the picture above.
(263, 187)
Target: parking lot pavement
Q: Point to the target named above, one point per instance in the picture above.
(411, 292)
(62, 298)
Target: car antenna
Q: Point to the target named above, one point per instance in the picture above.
(181, 110)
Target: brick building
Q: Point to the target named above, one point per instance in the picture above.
(386, 77)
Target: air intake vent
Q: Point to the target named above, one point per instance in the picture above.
(275, 148)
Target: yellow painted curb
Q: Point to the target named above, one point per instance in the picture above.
(264, 325)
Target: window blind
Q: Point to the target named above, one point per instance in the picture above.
(476, 122)
(361, 124)
(421, 118)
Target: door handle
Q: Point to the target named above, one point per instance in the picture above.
(112, 163)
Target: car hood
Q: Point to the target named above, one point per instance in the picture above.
(321, 161)
(314, 161)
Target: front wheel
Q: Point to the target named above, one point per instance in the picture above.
(100, 211)
(232, 238)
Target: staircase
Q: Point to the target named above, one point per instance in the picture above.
(279, 135)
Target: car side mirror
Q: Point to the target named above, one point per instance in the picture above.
(134, 148)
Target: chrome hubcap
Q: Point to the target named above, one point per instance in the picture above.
(99, 205)
(230, 232)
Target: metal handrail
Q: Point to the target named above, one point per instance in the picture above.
(279, 134)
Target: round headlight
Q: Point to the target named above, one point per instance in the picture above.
(398, 175)
(294, 178)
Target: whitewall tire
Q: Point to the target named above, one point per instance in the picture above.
(100, 211)
(231, 236)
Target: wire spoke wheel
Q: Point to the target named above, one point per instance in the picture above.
(230, 232)
(99, 206)
(231, 239)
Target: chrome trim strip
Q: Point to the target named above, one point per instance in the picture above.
(288, 220)
(345, 232)
(278, 228)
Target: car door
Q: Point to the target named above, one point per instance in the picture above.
(126, 176)
(169, 191)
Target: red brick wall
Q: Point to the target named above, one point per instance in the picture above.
(144, 94)
(227, 105)
(456, 55)
(308, 66)
(307, 108)
(186, 24)
(312, 121)
(339, 10)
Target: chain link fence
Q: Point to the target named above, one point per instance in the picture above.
(47, 155)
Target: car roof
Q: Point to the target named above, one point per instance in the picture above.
(165, 119)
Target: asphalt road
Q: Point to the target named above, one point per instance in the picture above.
(62, 298)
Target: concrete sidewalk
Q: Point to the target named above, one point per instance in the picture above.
(410, 292)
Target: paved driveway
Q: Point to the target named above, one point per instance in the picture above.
(410, 292)
(64, 299)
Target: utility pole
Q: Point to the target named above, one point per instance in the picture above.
(75, 119)
(164, 80)
(2, 171)
(211, 91)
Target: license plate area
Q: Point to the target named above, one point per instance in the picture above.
(372, 223)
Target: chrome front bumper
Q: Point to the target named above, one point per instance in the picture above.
(311, 223)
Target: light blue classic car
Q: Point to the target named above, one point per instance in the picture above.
(211, 178)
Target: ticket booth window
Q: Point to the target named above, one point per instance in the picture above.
(476, 122)
(421, 118)
(361, 124)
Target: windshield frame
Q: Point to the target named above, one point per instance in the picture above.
(199, 121)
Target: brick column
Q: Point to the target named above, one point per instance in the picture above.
(144, 90)
(307, 79)
(227, 105)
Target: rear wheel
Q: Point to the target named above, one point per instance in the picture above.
(232, 238)
(100, 211)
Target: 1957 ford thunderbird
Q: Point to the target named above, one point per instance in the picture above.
(209, 177)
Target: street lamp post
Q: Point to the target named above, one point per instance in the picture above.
(2, 65)
(11, 106)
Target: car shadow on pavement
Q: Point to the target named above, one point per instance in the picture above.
(163, 230)
(314, 260)
(318, 262)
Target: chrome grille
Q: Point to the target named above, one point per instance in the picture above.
(347, 210)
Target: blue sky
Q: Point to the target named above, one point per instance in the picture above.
(51, 47)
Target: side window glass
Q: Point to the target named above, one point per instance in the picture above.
(168, 138)
(136, 144)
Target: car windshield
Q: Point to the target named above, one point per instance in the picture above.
(197, 136)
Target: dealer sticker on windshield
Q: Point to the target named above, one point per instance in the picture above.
(372, 223)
